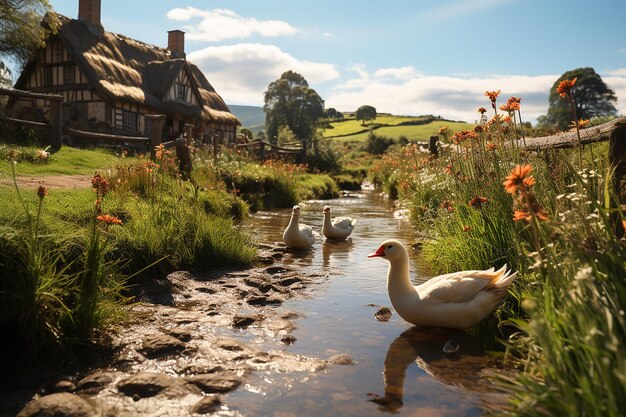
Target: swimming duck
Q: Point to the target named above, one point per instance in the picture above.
(298, 235)
(458, 300)
(337, 228)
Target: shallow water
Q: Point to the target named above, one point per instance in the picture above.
(397, 368)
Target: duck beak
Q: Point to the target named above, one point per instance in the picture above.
(379, 252)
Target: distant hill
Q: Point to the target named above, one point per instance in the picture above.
(251, 117)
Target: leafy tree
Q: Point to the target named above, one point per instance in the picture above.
(285, 135)
(260, 134)
(377, 145)
(365, 113)
(331, 113)
(322, 155)
(246, 132)
(21, 28)
(289, 101)
(591, 95)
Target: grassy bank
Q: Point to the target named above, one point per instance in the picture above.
(67, 255)
(485, 202)
(272, 184)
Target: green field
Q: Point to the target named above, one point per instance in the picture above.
(353, 131)
(67, 161)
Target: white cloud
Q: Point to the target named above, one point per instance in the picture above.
(241, 73)
(460, 8)
(617, 83)
(448, 96)
(220, 24)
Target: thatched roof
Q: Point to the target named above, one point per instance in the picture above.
(125, 69)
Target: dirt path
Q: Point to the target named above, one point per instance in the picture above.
(187, 345)
(51, 181)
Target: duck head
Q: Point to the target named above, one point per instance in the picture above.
(390, 249)
(326, 209)
(295, 211)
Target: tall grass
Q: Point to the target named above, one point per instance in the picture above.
(561, 232)
(66, 256)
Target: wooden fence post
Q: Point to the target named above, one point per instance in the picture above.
(617, 158)
(432, 145)
(183, 152)
(157, 131)
(56, 139)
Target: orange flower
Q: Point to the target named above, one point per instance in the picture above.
(565, 86)
(482, 110)
(493, 95)
(449, 169)
(524, 215)
(107, 219)
(448, 205)
(443, 129)
(491, 146)
(519, 179)
(100, 183)
(477, 202)
(42, 192)
(466, 229)
(582, 124)
(159, 151)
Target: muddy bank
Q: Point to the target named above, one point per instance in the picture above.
(190, 340)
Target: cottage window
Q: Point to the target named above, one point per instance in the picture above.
(47, 76)
(148, 127)
(182, 92)
(129, 121)
(69, 74)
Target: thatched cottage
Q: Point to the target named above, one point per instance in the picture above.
(110, 82)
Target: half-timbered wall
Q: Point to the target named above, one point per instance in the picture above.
(181, 89)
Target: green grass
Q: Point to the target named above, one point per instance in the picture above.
(565, 319)
(412, 132)
(67, 161)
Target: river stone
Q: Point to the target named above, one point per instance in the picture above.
(63, 385)
(242, 321)
(157, 345)
(232, 345)
(96, 382)
(273, 270)
(217, 382)
(207, 405)
(341, 359)
(289, 281)
(145, 384)
(383, 314)
(262, 300)
(61, 404)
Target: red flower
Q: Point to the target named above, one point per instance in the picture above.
(565, 87)
(42, 191)
(107, 219)
(477, 202)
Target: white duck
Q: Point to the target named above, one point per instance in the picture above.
(298, 235)
(458, 300)
(337, 228)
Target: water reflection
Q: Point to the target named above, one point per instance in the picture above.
(425, 347)
(335, 248)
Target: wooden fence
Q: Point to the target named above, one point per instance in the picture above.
(262, 150)
(613, 131)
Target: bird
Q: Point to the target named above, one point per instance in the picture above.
(337, 228)
(298, 235)
(458, 300)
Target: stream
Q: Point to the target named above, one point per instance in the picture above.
(300, 333)
(397, 368)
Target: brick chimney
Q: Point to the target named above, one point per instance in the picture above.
(89, 11)
(176, 43)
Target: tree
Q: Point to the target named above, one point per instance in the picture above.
(331, 113)
(591, 95)
(289, 101)
(285, 135)
(5, 75)
(246, 132)
(365, 113)
(21, 28)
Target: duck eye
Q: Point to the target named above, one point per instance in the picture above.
(388, 246)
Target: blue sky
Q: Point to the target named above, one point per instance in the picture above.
(404, 57)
